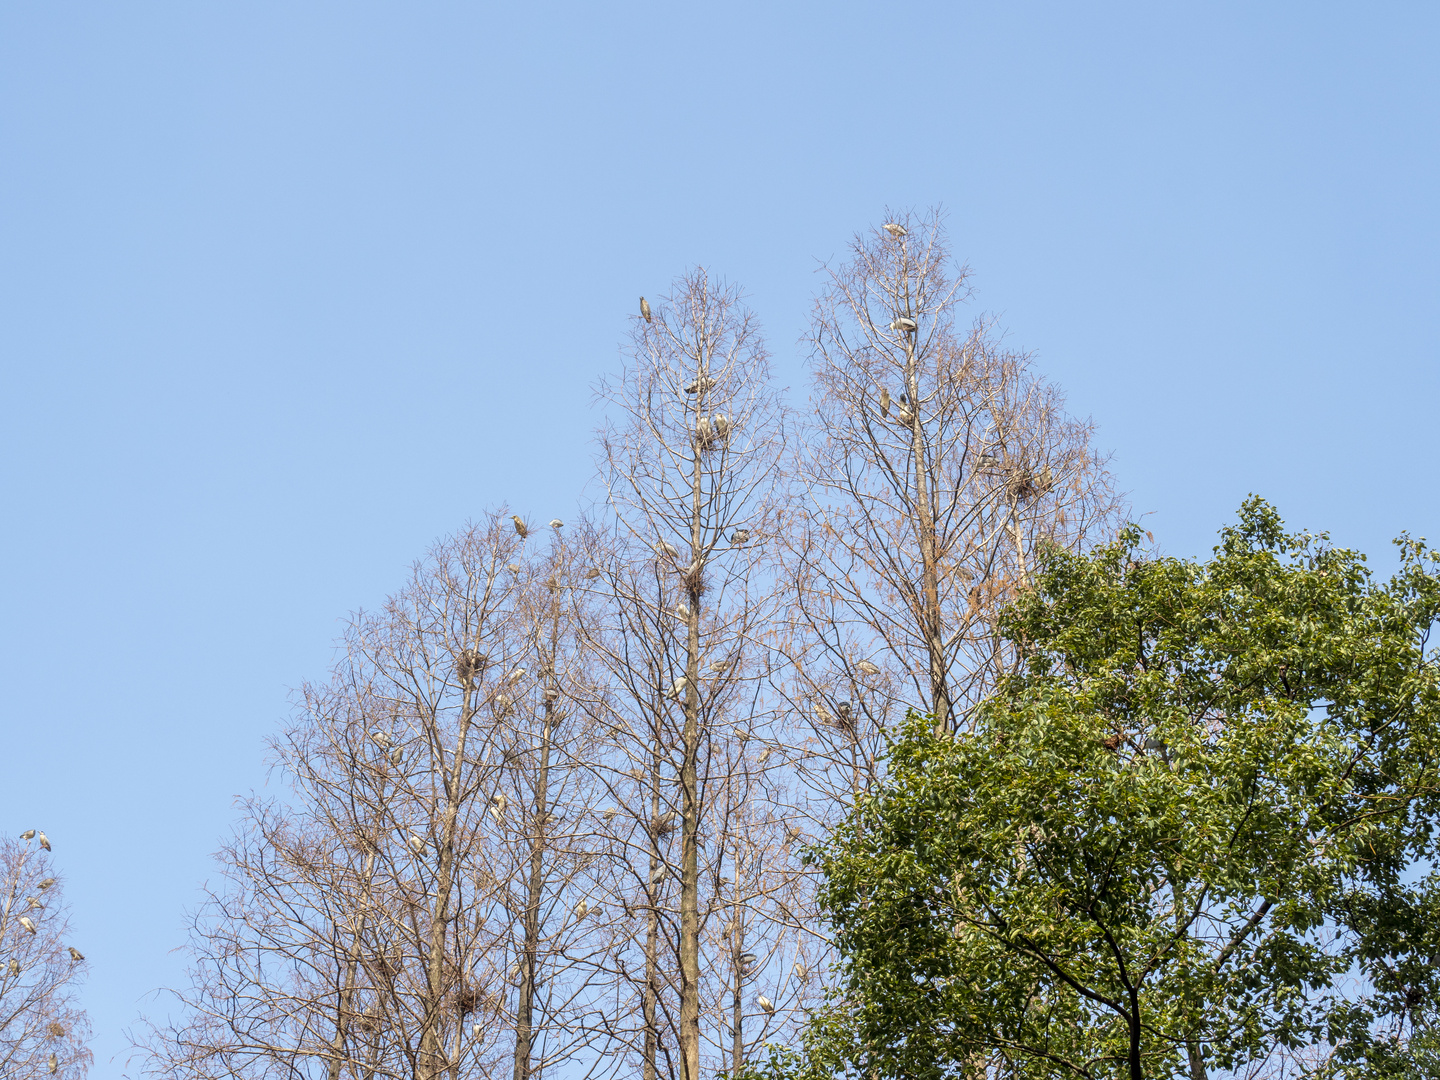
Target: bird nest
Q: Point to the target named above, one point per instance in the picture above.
(693, 579)
(55, 1030)
(469, 666)
(468, 999)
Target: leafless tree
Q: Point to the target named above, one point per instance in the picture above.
(935, 463)
(43, 1030)
(689, 461)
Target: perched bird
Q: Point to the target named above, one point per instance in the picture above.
(396, 755)
(33, 904)
(644, 309)
(884, 402)
(416, 844)
(556, 523)
(896, 230)
(513, 567)
(520, 526)
(719, 666)
(475, 1030)
(843, 708)
(664, 823)
(740, 536)
(381, 739)
(592, 573)
(792, 834)
(581, 909)
(504, 704)
(764, 756)
(609, 813)
(46, 883)
(766, 1004)
(747, 958)
(14, 966)
(657, 875)
(1045, 481)
(822, 714)
(682, 611)
(76, 954)
(798, 970)
(865, 667)
(665, 548)
(677, 688)
(700, 385)
(904, 324)
(54, 1063)
(25, 922)
(28, 834)
(515, 676)
(497, 805)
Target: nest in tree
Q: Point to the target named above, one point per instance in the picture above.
(367, 1023)
(468, 999)
(469, 666)
(663, 825)
(693, 578)
(55, 1030)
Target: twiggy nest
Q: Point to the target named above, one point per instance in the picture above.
(468, 999)
(693, 578)
(469, 666)
(55, 1030)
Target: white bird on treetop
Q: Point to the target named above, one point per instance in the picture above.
(664, 547)
(475, 1030)
(54, 1063)
(556, 523)
(76, 954)
(25, 922)
(644, 309)
(865, 667)
(895, 229)
(28, 834)
(520, 526)
(765, 1003)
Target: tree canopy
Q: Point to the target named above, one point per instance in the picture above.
(1188, 833)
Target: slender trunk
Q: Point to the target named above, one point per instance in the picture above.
(930, 578)
(352, 962)
(432, 1051)
(737, 950)
(650, 1002)
(1137, 1071)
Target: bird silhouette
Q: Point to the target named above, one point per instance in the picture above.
(520, 526)
(865, 667)
(28, 834)
(556, 523)
(896, 230)
(766, 1004)
(644, 309)
(76, 954)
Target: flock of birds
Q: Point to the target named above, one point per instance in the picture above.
(34, 903)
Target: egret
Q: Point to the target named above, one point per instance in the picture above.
(766, 1004)
(740, 536)
(556, 523)
(25, 922)
(520, 526)
(677, 688)
(896, 230)
(47, 883)
(609, 813)
(515, 675)
(416, 844)
(28, 834)
(904, 324)
(865, 667)
(76, 954)
(884, 402)
(682, 611)
(497, 805)
(504, 704)
(645, 309)
(475, 1030)
(667, 549)
(764, 756)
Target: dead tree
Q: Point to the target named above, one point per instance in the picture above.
(43, 1030)
(689, 463)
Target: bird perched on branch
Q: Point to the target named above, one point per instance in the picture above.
(416, 844)
(520, 526)
(865, 667)
(644, 309)
(28, 834)
(32, 904)
(896, 230)
(884, 402)
(592, 573)
(664, 547)
(766, 1004)
(380, 739)
(556, 523)
(720, 666)
(75, 954)
(682, 611)
(677, 689)
(515, 676)
(54, 1063)
(904, 324)
(497, 805)
(47, 883)
(740, 536)
(798, 970)
(25, 922)
(396, 755)
(581, 909)
(700, 385)
(14, 966)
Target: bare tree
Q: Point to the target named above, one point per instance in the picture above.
(43, 1030)
(935, 463)
(690, 470)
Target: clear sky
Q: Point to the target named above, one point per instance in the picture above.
(287, 290)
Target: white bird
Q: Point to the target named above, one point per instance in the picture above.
(497, 805)
(865, 667)
(720, 666)
(556, 523)
(28, 834)
(46, 883)
(520, 526)
(76, 954)
(677, 688)
(682, 611)
(475, 1030)
(904, 324)
(657, 875)
(700, 385)
(609, 813)
(740, 536)
(581, 909)
(766, 1004)
(44, 842)
(896, 230)
(515, 675)
(764, 756)
(381, 739)
(504, 704)
(14, 966)
(25, 922)
(798, 970)
(664, 547)
(644, 309)
(416, 844)
(551, 693)
(513, 567)
(822, 714)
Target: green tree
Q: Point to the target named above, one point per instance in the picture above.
(1173, 837)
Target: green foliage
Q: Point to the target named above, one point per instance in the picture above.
(1169, 843)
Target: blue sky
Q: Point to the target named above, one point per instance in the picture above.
(287, 290)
